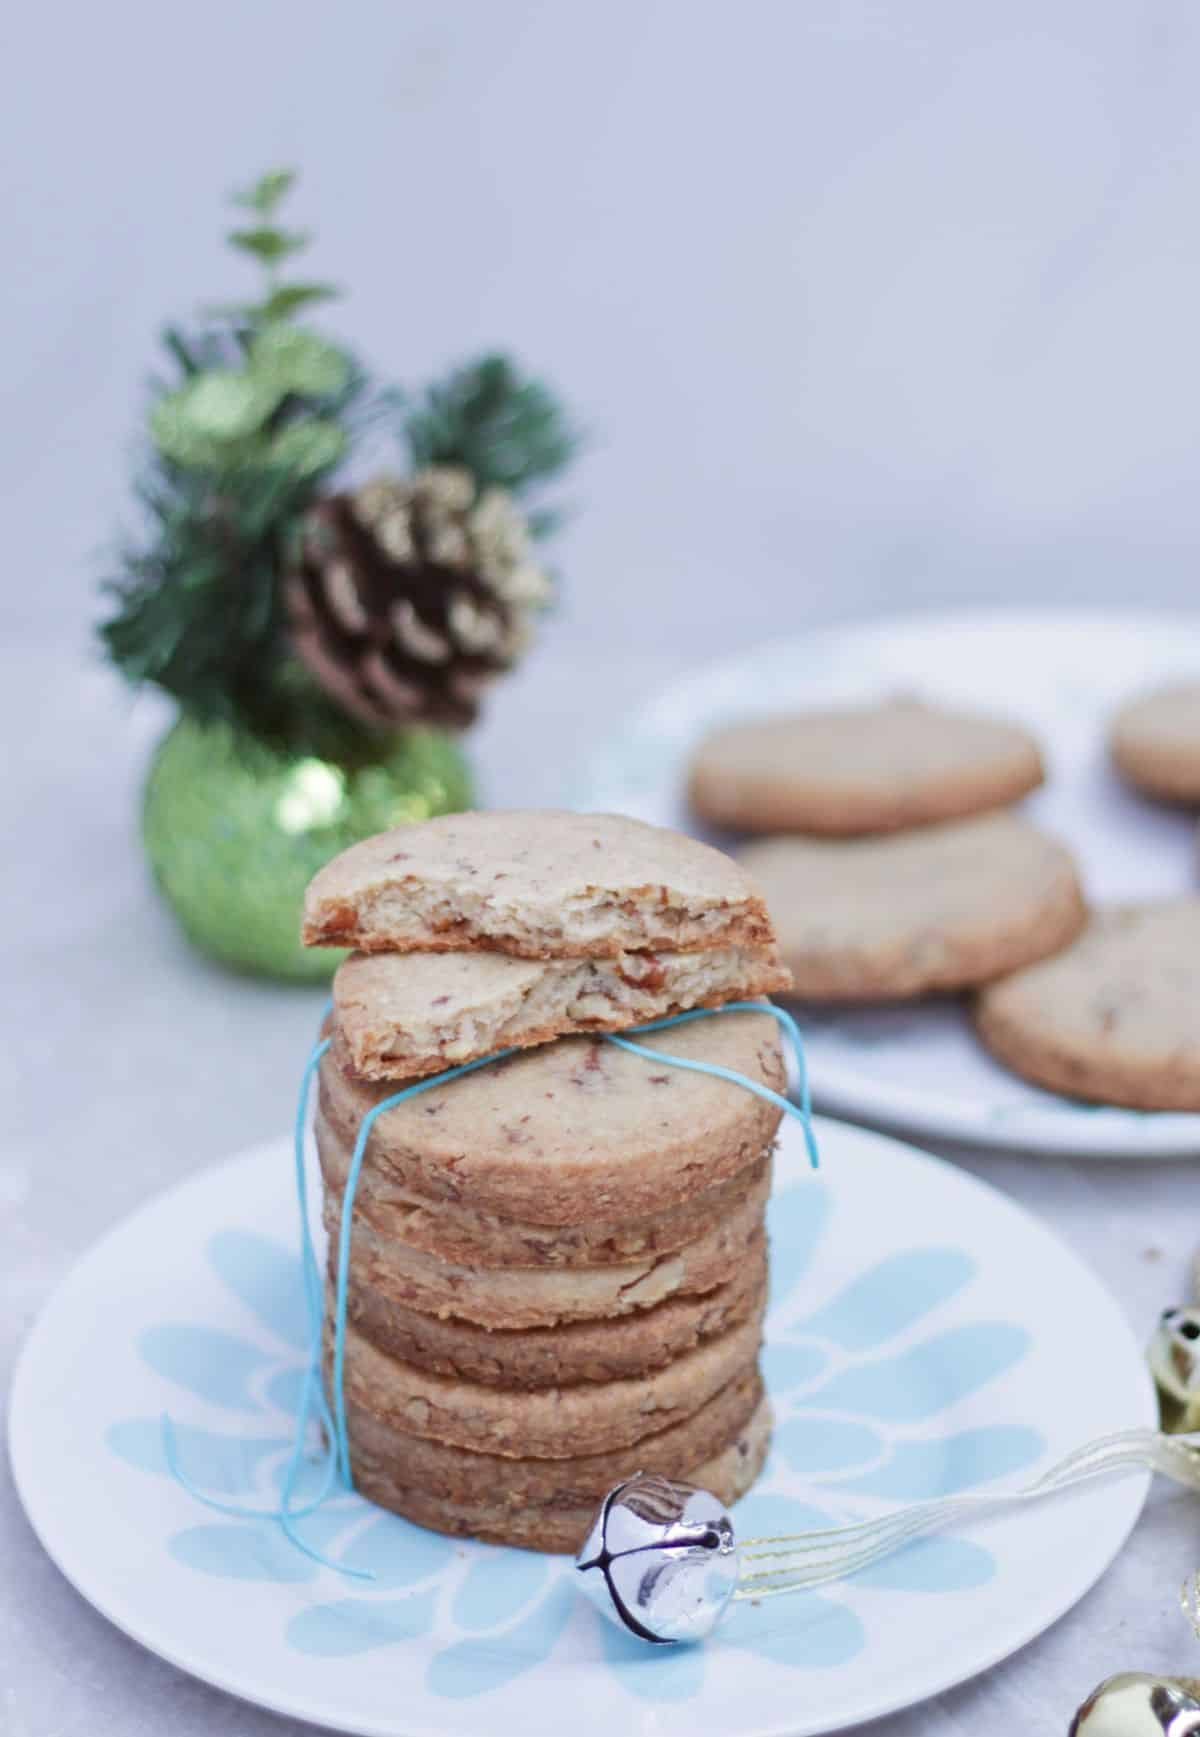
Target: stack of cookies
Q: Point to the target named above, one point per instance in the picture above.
(557, 1261)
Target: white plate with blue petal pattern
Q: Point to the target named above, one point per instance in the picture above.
(925, 1336)
(917, 1068)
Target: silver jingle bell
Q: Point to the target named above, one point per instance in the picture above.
(1174, 1356)
(1137, 1705)
(660, 1559)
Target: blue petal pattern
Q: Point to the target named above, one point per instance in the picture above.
(786, 1366)
(806, 1630)
(215, 1366)
(892, 1297)
(360, 1625)
(761, 1513)
(222, 1465)
(242, 1550)
(798, 1219)
(651, 1673)
(812, 1445)
(498, 1583)
(266, 1276)
(285, 1387)
(920, 1469)
(398, 1553)
(932, 1565)
(928, 1379)
(476, 1665)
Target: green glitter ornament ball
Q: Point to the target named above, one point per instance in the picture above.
(235, 829)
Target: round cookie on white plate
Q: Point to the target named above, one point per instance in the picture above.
(1155, 742)
(1114, 1019)
(861, 769)
(938, 908)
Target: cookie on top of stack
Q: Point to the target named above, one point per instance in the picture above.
(557, 1262)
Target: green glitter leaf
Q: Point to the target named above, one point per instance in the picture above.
(289, 298)
(292, 359)
(269, 244)
(267, 191)
(213, 408)
(306, 446)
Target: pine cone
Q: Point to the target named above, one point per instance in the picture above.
(411, 596)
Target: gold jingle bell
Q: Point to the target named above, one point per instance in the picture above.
(1174, 1356)
(1136, 1704)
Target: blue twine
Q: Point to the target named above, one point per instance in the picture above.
(801, 1111)
(333, 1422)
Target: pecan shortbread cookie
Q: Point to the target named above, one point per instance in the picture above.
(861, 769)
(1116, 1018)
(940, 908)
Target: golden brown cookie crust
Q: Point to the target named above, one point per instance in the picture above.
(939, 908)
(861, 769)
(1116, 1018)
(468, 1236)
(606, 1350)
(501, 1497)
(562, 1524)
(543, 1423)
(545, 1296)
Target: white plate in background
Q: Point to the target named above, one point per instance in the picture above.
(917, 1067)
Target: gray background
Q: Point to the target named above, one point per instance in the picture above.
(867, 306)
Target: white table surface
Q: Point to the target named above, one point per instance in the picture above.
(130, 1062)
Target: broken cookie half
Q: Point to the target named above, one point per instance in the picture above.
(402, 1015)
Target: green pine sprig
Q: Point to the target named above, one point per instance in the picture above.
(507, 429)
